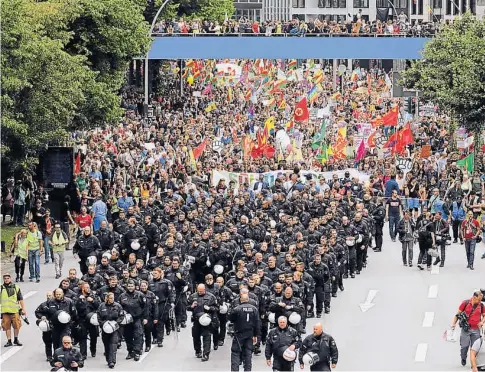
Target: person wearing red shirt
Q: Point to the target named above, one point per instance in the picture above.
(83, 220)
(470, 229)
(475, 312)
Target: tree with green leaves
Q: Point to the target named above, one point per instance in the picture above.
(452, 72)
(63, 65)
(212, 10)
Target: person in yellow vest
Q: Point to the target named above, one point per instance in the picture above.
(11, 301)
(20, 253)
(36, 249)
(59, 242)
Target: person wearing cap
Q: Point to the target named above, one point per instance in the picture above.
(58, 242)
(475, 312)
(11, 303)
(42, 311)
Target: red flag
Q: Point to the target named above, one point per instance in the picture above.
(77, 164)
(390, 118)
(200, 149)
(301, 110)
(371, 140)
(405, 137)
(392, 141)
(360, 151)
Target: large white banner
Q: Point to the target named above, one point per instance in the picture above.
(270, 177)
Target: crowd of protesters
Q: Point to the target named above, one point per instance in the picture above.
(156, 229)
(295, 27)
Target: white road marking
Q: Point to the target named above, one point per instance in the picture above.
(368, 301)
(10, 353)
(428, 319)
(29, 294)
(421, 352)
(435, 270)
(433, 291)
(144, 355)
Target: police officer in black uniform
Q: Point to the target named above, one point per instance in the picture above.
(202, 302)
(67, 357)
(40, 312)
(87, 304)
(246, 320)
(86, 245)
(324, 346)
(54, 306)
(134, 303)
(110, 310)
(279, 339)
(164, 291)
(152, 304)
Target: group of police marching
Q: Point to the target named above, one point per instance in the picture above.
(256, 270)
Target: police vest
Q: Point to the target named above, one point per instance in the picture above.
(58, 242)
(9, 303)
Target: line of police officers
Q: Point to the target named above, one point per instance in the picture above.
(278, 267)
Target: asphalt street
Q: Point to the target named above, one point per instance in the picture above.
(390, 317)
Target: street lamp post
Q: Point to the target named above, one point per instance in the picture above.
(146, 58)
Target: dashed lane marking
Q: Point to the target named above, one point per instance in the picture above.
(433, 291)
(10, 353)
(421, 351)
(435, 270)
(428, 319)
(29, 294)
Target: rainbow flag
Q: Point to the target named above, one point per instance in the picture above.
(312, 94)
(292, 64)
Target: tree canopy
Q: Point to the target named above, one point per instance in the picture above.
(63, 64)
(452, 71)
(213, 10)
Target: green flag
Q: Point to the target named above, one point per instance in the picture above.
(320, 136)
(467, 163)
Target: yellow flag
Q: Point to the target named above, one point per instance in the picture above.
(193, 163)
(190, 80)
(210, 107)
(343, 132)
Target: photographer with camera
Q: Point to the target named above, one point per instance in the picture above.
(441, 231)
(471, 233)
(470, 317)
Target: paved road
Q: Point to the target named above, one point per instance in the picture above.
(402, 331)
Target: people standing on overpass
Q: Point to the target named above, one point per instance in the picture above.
(11, 306)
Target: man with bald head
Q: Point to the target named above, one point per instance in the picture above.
(323, 347)
(67, 357)
(202, 302)
(42, 312)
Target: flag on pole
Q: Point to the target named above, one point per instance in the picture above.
(360, 151)
(301, 110)
(210, 107)
(77, 164)
(467, 163)
(198, 151)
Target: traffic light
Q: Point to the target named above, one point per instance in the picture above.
(411, 105)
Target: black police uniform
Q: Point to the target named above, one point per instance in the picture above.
(135, 304)
(85, 328)
(246, 321)
(324, 346)
(179, 285)
(86, 246)
(279, 339)
(163, 290)
(67, 356)
(152, 304)
(60, 330)
(198, 331)
(46, 336)
(107, 312)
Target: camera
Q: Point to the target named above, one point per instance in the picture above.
(463, 321)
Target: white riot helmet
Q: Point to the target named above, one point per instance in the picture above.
(127, 318)
(359, 239)
(44, 326)
(272, 318)
(289, 355)
(110, 326)
(223, 308)
(350, 241)
(63, 317)
(272, 224)
(93, 319)
(310, 358)
(294, 318)
(135, 245)
(91, 260)
(218, 269)
(107, 255)
(205, 320)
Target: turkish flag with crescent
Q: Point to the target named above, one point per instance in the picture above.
(301, 110)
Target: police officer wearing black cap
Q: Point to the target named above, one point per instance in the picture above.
(246, 320)
(135, 304)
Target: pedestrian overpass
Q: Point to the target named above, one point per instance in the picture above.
(252, 47)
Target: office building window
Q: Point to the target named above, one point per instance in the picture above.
(298, 3)
(437, 4)
(382, 4)
(400, 4)
(321, 3)
(361, 4)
